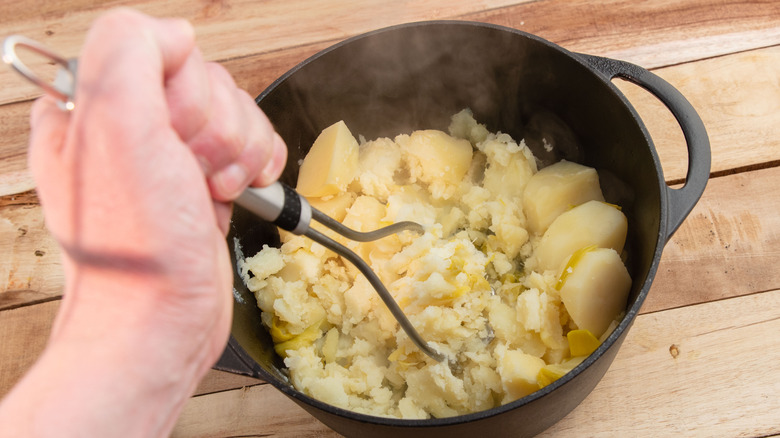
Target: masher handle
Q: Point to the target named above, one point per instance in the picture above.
(279, 204)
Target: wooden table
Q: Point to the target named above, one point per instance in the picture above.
(703, 358)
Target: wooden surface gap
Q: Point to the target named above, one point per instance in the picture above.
(721, 173)
(742, 169)
(759, 46)
(13, 306)
(714, 300)
(226, 389)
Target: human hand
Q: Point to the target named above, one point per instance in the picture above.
(135, 183)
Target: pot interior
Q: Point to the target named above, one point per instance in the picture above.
(417, 76)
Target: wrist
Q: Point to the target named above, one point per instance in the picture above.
(116, 358)
(127, 350)
(152, 309)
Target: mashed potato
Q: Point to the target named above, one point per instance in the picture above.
(472, 284)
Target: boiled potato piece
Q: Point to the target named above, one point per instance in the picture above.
(518, 372)
(440, 157)
(365, 214)
(334, 206)
(592, 223)
(582, 342)
(331, 345)
(553, 372)
(311, 334)
(556, 188)
(596, 290)
(331, 163)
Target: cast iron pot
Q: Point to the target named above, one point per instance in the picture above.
(416, 76)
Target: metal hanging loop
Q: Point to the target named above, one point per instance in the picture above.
(63, 86)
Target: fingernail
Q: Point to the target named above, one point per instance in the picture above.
(231, 180)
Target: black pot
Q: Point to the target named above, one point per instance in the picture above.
(416, 76)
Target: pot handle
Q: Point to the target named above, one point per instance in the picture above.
(682, 200)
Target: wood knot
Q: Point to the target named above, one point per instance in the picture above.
(674, 350)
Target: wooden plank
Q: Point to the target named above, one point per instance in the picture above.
(650, 33)
(253, 411)
(255, 73)
(737, 97)
(262, 26)
(704, 355)
(24, 332)
(726, 247)
(217, 381)
(30, 268)
(714, 368)
(14, 137)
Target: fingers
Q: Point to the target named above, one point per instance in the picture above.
(237, 144)
(126, 58)
(223, 135)
(189, 96)
(166, 43)
(275, 165)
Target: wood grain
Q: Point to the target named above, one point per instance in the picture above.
(253, 411)
(702, 354)
(30, 269)
(63, 28)
(649, 33)
(714, 370)
(24, 332)
(738, 99)
(14, 137)
(728, 245)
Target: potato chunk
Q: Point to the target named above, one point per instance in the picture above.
(518, 373)
(554, 189)
(334, 206)
(592, 223)
(596, 290)
(440, 157)
(331, 164)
